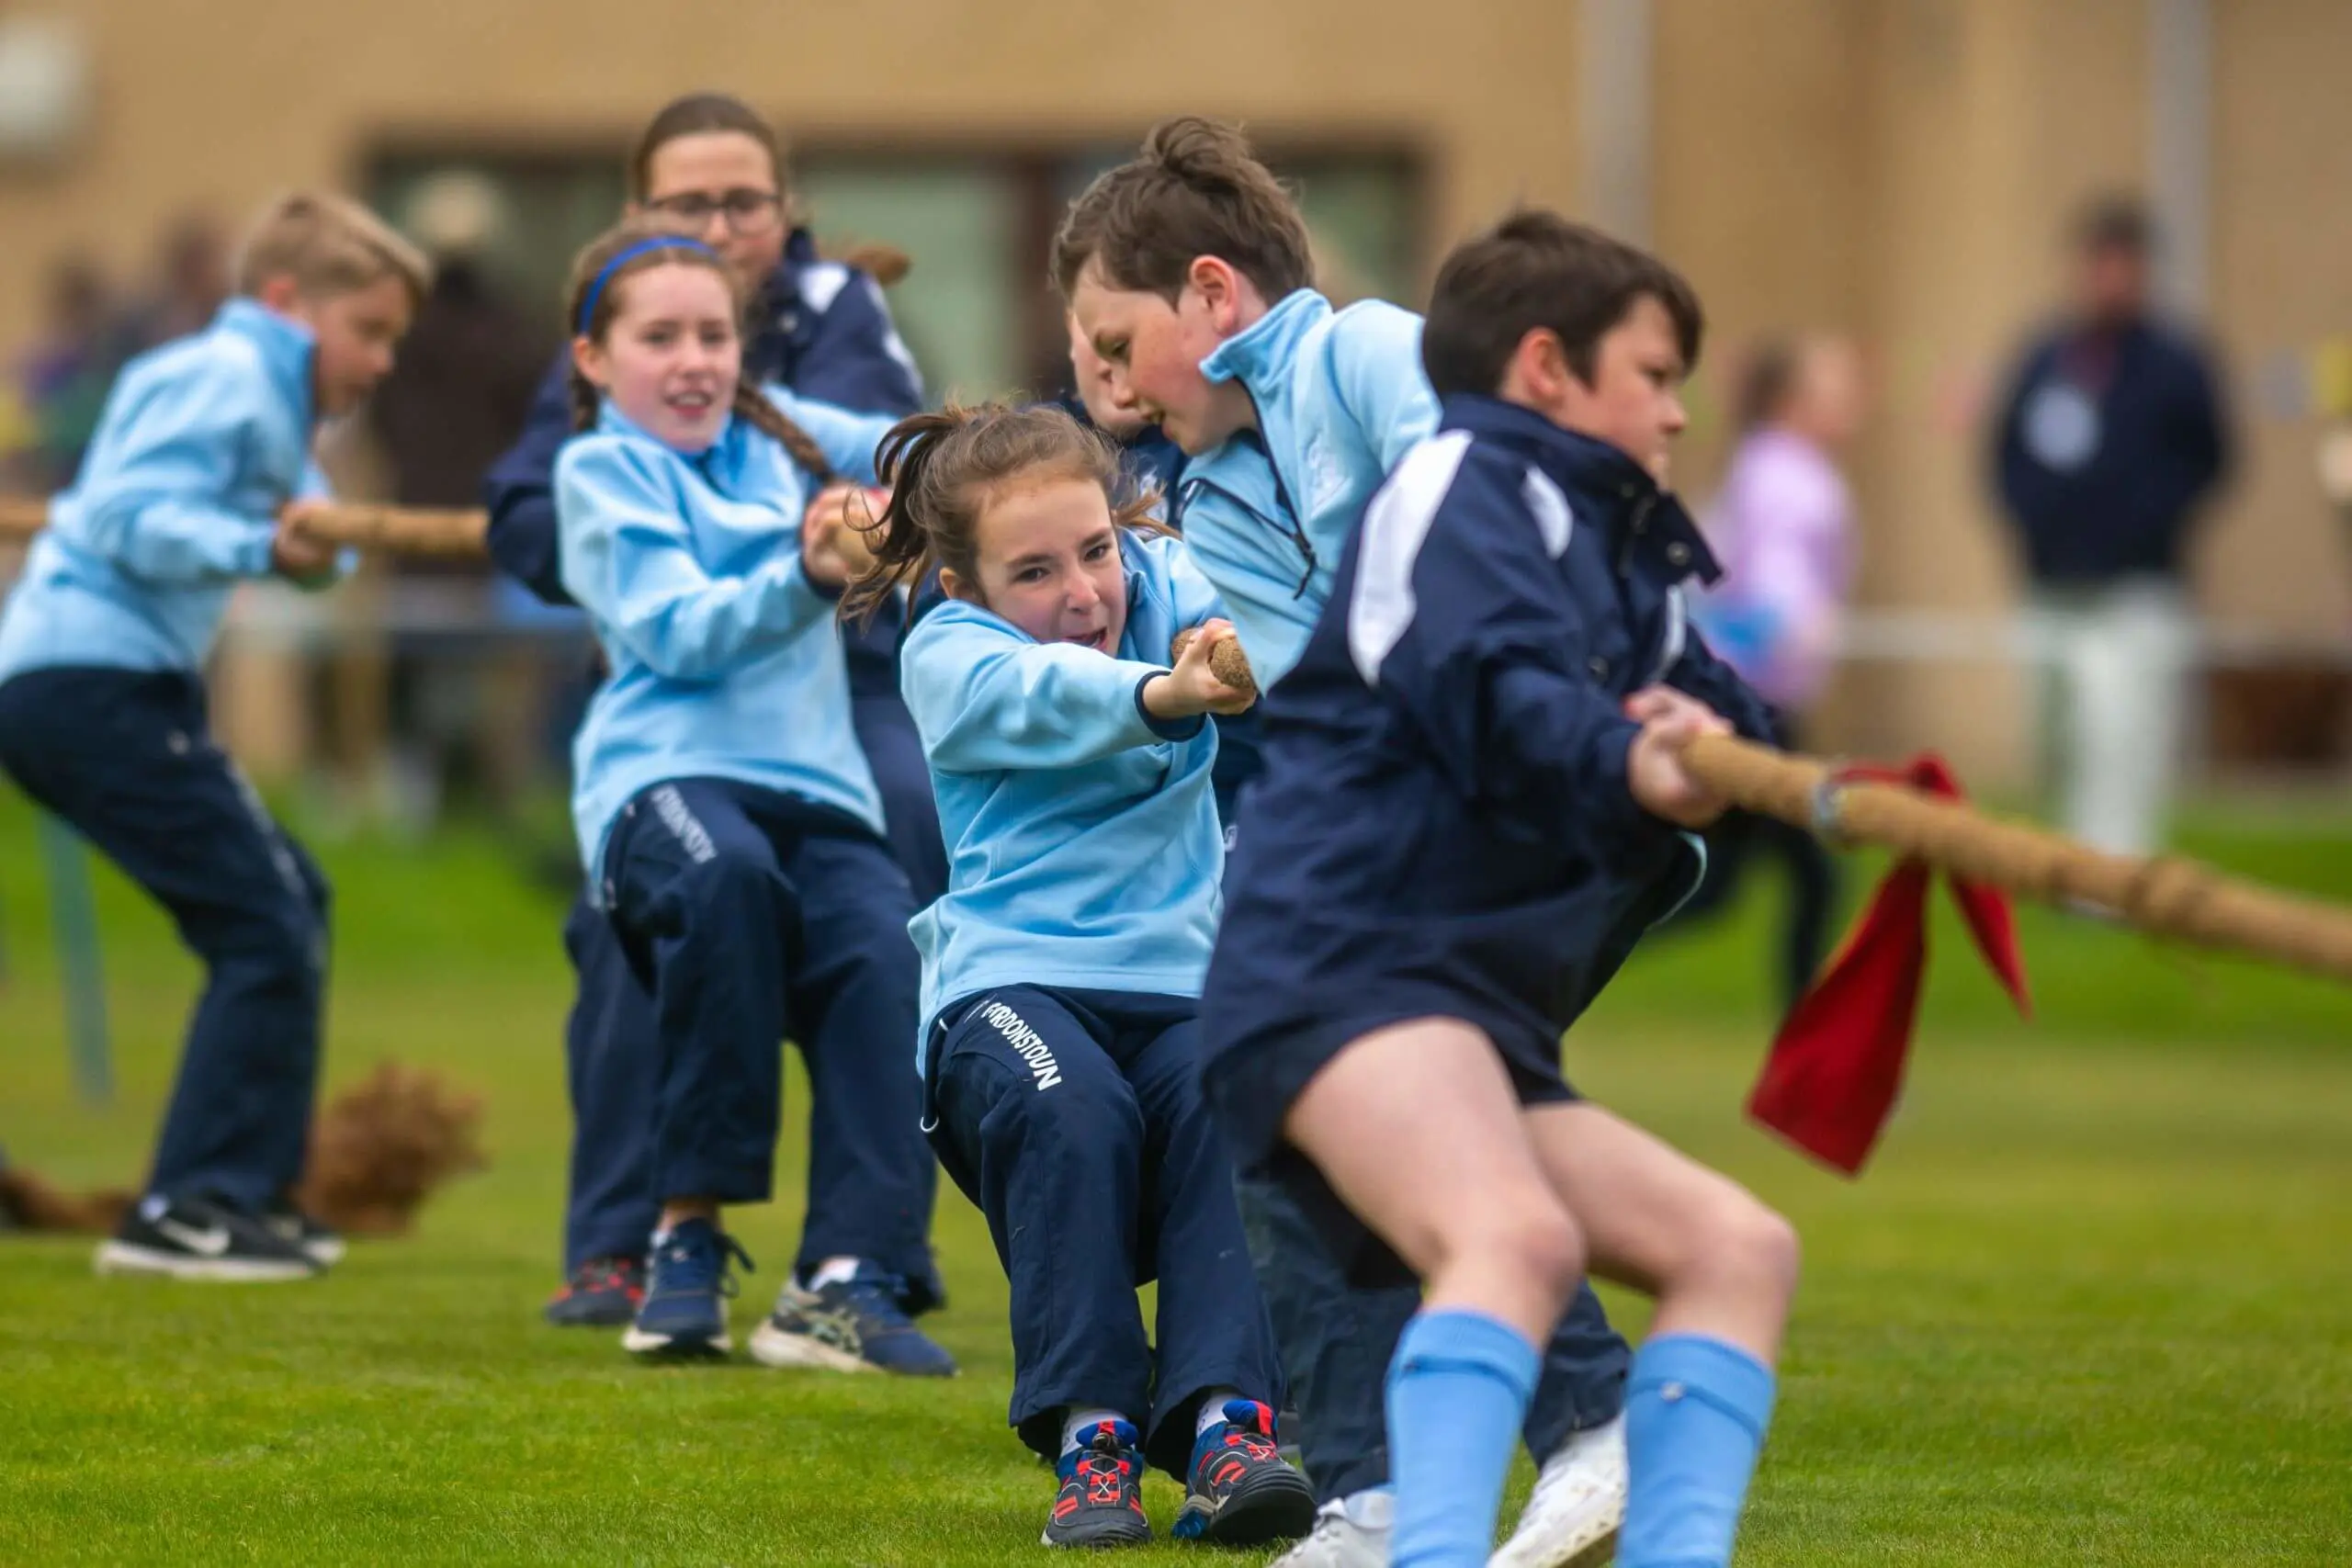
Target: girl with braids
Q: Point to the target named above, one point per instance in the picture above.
(1060, 970)
(726, 816)
(709, 166)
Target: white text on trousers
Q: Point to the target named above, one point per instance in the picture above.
(1026, 1044)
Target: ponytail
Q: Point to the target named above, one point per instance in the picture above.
(942, 469)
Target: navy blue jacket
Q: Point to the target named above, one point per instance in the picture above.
(1445, 803)
(2107, 444)
(823, 331)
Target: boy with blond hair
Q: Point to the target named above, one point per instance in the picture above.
(200, 477)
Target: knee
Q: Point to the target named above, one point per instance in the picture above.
(1747, 1246)
(735, 892)
(283, 942)
(1088, 1126)
(1530, 1235)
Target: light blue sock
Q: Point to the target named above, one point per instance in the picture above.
(1457, 1393)
(1695, 1414)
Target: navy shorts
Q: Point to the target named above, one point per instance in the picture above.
(1290, 986)
(1260, 1058)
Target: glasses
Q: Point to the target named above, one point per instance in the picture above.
(748, 212)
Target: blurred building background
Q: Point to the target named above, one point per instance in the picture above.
(1897, 171)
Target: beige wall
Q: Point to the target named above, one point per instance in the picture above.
(1897, 168)
(222, 100)
(2282, 282)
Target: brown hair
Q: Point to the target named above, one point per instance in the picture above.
(946, 469)
(1537, 269)
(328, 244)
(700, 113)
(2115, 220)
(672, 249)
(1196, 190)
(1765, 382)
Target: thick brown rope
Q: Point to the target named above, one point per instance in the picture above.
(402, 530)
(2164, 896)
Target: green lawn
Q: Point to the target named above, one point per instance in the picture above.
(2092, 1306)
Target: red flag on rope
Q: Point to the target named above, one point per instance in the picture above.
(1835, 1068)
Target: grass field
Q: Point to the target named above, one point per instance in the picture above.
(2093, 1306)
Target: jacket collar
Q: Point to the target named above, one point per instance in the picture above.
(1261, 355)
(1642, 521)
(722, 458)
(287, 347)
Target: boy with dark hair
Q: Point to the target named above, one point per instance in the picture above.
(1474, 804)
(1188, 270)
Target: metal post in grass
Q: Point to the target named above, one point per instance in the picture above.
(74, 917)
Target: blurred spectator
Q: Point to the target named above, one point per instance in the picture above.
(60, 385)
(1782, 527)
(2110, 440)
(193, 262)
(465, 707)
(466, 370)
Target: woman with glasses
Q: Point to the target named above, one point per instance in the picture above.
(711, 166)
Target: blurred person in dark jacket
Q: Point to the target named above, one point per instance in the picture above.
(192, 280)
(2110, 443)
(470, 365)
(452, 404)
(62, 383)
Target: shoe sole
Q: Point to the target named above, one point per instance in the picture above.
(671, 1347)
(1589, 1548)
(1104, 1536)
(129, 1257)
(325, 1254)
(618, 1317)
(772, 1347)
(1270, 1510)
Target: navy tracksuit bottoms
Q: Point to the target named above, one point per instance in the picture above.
(1074, 1120)
(127, 757)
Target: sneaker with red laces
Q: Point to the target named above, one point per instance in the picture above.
(1101, 1502)
(603, 1292)
(1239, 1493)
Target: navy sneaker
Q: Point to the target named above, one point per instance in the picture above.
(850, 1325)
(1239, 1493)
(1100, 1501)
(195, 1237)
(603, 1292)
(684, 1310)
(320, 1241)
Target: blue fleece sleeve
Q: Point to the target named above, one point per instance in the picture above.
(1376, 373)
(316, 486)
(1193, 597)
(1457, 614)
(155, 497)
(986, 699)
(1257, 571)
(628, 558)
(855, 358)
(519, 492)
(847, 438)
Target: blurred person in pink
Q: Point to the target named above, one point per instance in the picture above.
(1782, 527)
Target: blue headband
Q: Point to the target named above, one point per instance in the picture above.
(629, 253)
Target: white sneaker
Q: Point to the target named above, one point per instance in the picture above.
(1579, 1503)
(1349, 1532)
